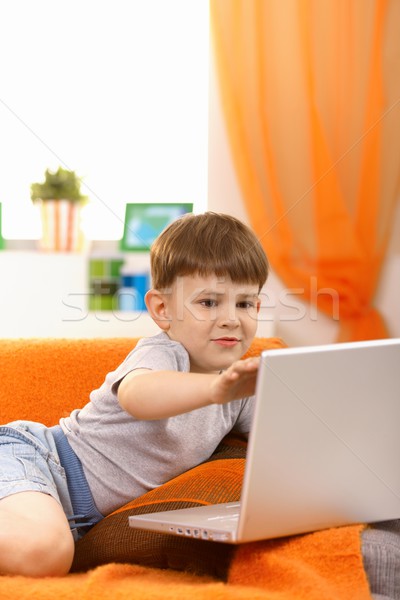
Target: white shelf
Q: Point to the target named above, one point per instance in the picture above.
(46, 295)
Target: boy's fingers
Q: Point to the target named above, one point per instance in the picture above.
(254, 362)
(244, 366)
(250, 363)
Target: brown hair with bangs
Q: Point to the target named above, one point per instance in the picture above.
(208, 244)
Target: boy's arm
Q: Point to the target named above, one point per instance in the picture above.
(152, 395)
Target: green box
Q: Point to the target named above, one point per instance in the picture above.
(96, 268)
(104, 282)
(97, 303)
(114, 267)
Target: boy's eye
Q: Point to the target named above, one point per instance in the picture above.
(245, 304)
(208, 303)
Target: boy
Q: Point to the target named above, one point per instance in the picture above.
(163, 411)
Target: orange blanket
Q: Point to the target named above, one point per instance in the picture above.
(45, 379)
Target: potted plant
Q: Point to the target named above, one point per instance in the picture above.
(60, 200)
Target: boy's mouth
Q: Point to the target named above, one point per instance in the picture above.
(226, 341)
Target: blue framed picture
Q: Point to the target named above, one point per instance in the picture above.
(144, 222)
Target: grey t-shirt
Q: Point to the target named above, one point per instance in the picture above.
(124, 457)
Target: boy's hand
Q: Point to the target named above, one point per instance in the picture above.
(139, 391)
(238, 381)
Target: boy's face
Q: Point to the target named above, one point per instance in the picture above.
(213, 318)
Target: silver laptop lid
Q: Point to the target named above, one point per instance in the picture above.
(325, 443)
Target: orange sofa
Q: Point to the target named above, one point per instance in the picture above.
(45, 379)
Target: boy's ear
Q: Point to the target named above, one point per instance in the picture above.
(157, 307)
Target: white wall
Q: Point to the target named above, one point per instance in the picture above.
(116, 91)
(293, 320)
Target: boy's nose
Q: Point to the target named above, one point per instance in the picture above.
(228, 321)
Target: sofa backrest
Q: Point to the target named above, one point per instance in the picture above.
(45, 379)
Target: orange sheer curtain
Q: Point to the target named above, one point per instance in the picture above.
(311, 95)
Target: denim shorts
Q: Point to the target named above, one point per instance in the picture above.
(30, 461)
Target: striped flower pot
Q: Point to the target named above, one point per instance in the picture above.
(61, 230)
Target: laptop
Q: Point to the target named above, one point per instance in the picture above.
(323, 451)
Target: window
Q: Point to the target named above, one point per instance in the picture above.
(116, 91)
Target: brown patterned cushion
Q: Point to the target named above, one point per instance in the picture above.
(217, 480)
